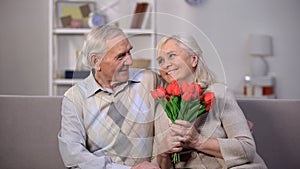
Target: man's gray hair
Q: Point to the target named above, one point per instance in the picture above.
(96, 42)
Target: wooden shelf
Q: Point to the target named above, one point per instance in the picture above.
(62, 31)
(71, 31)
(138, 31)
(64, 43)
(66, 81)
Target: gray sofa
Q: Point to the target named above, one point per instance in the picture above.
(29, 126)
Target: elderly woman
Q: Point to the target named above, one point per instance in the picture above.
(218, 139)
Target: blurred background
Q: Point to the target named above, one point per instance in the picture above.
(24, 40)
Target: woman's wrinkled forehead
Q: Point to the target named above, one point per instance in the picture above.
(170, 45)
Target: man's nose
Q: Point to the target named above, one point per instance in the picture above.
(128, 60)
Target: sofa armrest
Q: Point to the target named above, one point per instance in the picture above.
(276, 130)
(28, 132)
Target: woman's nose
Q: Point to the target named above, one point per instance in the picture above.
(166, 64)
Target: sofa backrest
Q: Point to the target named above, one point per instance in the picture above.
(29, 127)
(28, 132)
(276, 130)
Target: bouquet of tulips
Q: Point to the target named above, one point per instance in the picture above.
(183, 101)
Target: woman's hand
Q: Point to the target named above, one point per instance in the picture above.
(192, 139)
(250, 125)
(164, 161)
(188, 132)
(171, 143)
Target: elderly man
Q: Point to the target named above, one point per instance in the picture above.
(107, 119)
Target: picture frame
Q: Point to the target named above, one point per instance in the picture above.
(73, 14)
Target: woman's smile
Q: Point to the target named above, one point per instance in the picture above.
(171, 72)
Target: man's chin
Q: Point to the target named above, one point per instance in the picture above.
(123, 76)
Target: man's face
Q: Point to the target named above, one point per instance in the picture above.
(115, 64)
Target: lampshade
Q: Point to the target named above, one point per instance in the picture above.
(260, 45)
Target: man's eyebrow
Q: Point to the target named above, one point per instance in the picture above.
(122, 54)
(119, 55)
(129, 49)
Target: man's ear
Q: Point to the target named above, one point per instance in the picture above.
(93, 60)
(195, 60)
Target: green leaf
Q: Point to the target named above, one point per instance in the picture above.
(192, 112)
(183, 109)
(202, 110)
(196, 114)
(176, 103)
(174, 106)
(167, 108)
(172, 115)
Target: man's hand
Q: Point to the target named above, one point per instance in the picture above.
(145, 165)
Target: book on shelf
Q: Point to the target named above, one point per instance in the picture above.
(146, 17)
(141, 15)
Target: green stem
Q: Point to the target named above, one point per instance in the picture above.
(175, 158)
(197, 114)
(193, 107)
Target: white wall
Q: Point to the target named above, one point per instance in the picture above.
(228, 24)
(24, 39)
(24, 47)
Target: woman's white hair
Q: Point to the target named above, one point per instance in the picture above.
(95, 43)
(203, 75)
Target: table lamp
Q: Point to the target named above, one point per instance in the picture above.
(260, 46)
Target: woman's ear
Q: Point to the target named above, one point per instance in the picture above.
(195, 60)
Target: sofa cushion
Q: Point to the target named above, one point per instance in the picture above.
(276, 130)
(28, 132)
(29, 127)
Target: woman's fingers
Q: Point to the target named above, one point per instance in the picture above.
(181, 129)
(187, 133)
(182, 133)
(175, 150)
(174, 144)
(183, 123)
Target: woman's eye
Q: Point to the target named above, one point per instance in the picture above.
(172, 55)
(160, 61)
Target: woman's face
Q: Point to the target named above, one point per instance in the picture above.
(175, 63)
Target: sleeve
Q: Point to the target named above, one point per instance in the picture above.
(72, 141)
(239, 148)
(160, 122)
(157, 80)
